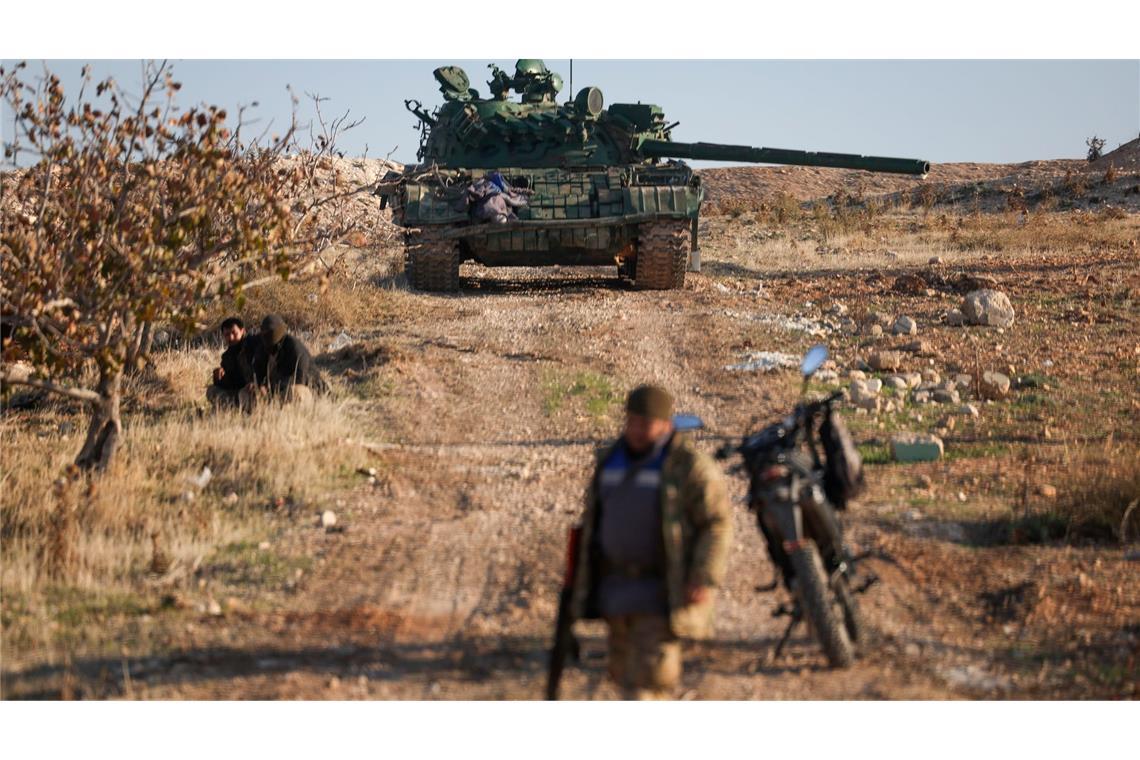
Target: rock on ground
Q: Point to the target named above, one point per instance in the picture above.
(988, 307)
(916, 447)
(994, 385)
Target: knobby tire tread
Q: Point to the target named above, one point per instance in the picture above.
(815, 599)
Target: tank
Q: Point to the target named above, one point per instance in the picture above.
(588, 184)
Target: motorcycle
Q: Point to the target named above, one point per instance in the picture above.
(795, 491)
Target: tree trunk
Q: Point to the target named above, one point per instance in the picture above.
(139, 351)
(103, 432)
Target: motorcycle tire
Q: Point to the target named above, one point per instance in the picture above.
(852, 620)
(819, 606)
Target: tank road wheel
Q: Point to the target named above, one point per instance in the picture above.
(662, 255)
(432, 264)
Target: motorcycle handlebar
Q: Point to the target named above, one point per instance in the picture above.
(803, 411)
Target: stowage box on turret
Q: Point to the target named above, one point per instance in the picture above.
(536, 183)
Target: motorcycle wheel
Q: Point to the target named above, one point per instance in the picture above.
(819, 606)
(852, 620)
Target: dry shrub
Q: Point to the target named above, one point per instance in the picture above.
(93, 531)
(1104, 482)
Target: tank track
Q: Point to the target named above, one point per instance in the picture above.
(431, 263)
(662, 255)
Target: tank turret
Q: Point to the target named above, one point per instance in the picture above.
(601, 184)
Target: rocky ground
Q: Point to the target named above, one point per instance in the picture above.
(476, 416)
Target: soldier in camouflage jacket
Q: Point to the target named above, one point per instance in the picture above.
(658, 500)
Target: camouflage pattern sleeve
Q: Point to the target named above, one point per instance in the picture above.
(709, 511)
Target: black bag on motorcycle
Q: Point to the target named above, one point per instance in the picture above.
(843, 470)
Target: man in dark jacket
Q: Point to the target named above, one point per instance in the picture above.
(654, 546)
(284, 367)
(235, 374)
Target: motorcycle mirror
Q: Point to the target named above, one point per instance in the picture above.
(813, 360)
(687, 422)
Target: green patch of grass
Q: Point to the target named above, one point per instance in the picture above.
(595, 392)
(1033, 401)
(876, 453)
(243, 563)
(72, 607)
(985, 450)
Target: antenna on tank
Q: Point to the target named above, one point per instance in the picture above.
(570, 94)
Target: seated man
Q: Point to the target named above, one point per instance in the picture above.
(283, 367)
(236, 373)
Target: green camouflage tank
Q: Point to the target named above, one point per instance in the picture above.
(535, 182)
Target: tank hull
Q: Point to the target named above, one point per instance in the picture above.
(574, 217)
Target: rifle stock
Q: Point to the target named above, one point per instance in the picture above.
(565, 644)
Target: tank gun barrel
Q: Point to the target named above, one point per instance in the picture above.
(702, 151)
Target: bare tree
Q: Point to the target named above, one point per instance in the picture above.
(1096, 145)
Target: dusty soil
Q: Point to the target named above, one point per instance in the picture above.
(480, 413)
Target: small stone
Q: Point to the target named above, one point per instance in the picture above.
(912, 650)
(921, 397)
(934, 261)
(837, 309)
(920, 347)
(925, 481)
(213, 608)
(1047, 491)
(849, 326)
(962, 496)
(904, 326)
(328, 519)
(968, 410)
(943, 396)
(874, 331)
(896, 381)
(826, 376)
(931, 376)
(878, 318)
(263, 546)
(916, 447)
(857, 374)
(913, 379)
(889, 406)
(963, 381)
(994, 385)
(988, 307)
(230, 499)
(885, 360)
(955, 318)
(873, 385)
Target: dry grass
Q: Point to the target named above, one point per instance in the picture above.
(146, 515)
(854, 238)
(1095, 502)
(314, 306)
